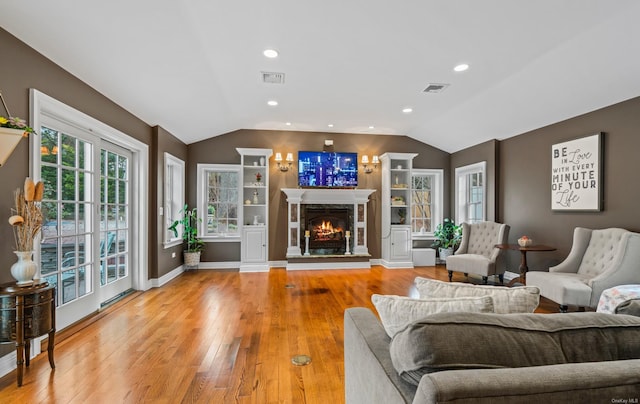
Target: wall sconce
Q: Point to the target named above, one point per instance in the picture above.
(284, 167)
(365, 163)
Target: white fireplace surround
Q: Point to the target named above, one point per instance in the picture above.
(359, 198)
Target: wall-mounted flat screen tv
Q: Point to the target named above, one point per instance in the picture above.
(327, 169)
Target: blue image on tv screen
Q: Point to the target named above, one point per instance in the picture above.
(327, 169)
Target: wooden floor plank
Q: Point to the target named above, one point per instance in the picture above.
(216, 337)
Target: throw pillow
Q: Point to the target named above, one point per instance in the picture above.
(451, 341)
(396, 312)
(520, 299)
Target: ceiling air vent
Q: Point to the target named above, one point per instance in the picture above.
(273, 78)
(435, 88)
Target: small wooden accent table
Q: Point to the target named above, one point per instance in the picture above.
(27, 313)
(523, 260)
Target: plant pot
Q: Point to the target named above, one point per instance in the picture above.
(444, 253)
(191, 260)
(24, 269)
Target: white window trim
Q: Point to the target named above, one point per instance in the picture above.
(202, 206)
(437, 197)
(41, 103)
(460, 173)
(172, 192)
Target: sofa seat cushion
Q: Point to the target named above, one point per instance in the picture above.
(450, 341)
(521, 299)
(471, 263)
(396, 312)
(562, 287)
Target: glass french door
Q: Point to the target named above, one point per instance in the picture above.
(84, 249)
(114, 213)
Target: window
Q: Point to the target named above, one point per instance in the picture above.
(219, 200)
(471, 193)
(174, 197)
(426, 200)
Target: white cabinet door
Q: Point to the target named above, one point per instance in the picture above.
(255, 250)
(400, 243)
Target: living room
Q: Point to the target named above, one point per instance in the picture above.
(518, 167)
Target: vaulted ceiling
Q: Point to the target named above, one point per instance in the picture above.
(195, 67)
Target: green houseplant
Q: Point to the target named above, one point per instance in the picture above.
(194, 245)
(448, 236)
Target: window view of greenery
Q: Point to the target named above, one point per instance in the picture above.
(222, 203)
(421, 193)
(68, 206)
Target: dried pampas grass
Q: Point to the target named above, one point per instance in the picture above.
(27, 216)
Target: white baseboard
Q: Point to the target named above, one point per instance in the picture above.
(220, 265)
(327, 265)
(156, 283)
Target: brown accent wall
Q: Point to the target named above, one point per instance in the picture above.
(489, 152)
(222, 149)
(525, 173)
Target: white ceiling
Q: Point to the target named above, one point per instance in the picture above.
(194, 66)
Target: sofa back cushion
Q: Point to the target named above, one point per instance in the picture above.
(604, 246)
(521, 299)
(450, 341)
(396, 312)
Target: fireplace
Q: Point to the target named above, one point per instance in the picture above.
(327, 226)
(329, 217)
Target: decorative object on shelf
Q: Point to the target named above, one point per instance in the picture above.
(524, 241)
(255, 197)
(397, 201)
(282, 167)
(262, 161)
(26, 222)
(247, 202)
(402, 214)
(448, 236)
(256, 220)
(12, 130)
(258, 178)
(194, 247)
(365, 163)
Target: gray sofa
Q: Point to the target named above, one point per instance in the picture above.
(370, 375)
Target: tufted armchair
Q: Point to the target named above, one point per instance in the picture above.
(598, 260)
(478, 253)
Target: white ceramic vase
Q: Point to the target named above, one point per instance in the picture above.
(24, 270)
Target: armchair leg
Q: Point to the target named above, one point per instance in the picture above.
(450, 275)
(485, 279)
(501, 278)
(466, 274)
(564, 308)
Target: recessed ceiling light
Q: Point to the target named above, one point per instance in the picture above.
(371, 127)
(270, 53)
(330, 125)
(272, 103)
(461, 67)
(288, 123)
(407, 110)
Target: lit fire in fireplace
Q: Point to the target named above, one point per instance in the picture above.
(326, 231)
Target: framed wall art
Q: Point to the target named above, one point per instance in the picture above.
(576, 174)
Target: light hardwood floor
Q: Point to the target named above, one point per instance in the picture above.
(216, 337)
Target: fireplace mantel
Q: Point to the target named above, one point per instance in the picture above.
(296, 197)
(327, 196)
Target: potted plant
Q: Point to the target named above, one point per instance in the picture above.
(194, 245)
(448, 235)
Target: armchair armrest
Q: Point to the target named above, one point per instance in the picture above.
(581, 238)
